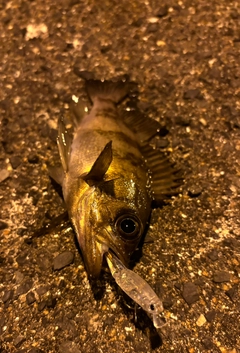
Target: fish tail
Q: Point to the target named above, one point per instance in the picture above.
(107, 90)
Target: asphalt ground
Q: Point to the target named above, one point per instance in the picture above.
(185, 58)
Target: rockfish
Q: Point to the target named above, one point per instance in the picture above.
(110, 175)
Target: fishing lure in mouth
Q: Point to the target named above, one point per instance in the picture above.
(137, 289)
(110, 174)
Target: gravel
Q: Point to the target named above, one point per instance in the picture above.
(190, 293)
(185, 58)
(62, 260)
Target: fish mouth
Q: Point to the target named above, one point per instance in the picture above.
(95, 260)
(104, 249)
(93, 247)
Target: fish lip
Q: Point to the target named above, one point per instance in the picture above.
(94, 264)
(104, 248)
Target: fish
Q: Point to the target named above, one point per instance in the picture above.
(137, 289)
(110, 174)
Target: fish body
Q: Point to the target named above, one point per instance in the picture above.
(108, 175)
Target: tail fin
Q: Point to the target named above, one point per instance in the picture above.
(109, 90)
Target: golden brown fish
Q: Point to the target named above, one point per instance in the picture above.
(110, 175)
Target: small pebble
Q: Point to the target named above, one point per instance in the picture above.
(21, 231)
(203, 121)
(232, 293)
(24, 287)
(33, 159)
(18, 341)
(213, 255)
(207, 343)
(51, 302)
(62, 260)
(4, 174)
(8, 295)
(192, 93)
(234, 14)
(152, 27)
(190, 293)
(177, 285)
(201, 320)
(163, 131)
(36, 31)
(3, 225)
(30, 298)
(42, 305)
(162, 11)
(152, 19)
(210, 315)
(161, 43)
(35, 350)
(42, 290)
(183, 120)
(22, 259)
(70, 347)
(194, 191)
(221, 276)
(168, 302)
(15, 161)
(19, 277)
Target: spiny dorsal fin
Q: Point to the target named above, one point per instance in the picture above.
(108, 90)
(145, 128)
(100, 166)
(64, 142)
(162, 175)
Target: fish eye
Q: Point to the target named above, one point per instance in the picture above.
(128, 226)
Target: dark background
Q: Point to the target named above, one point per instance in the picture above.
(185, 57)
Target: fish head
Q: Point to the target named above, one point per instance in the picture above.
(104, 223)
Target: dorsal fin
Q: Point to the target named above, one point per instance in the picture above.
(144, 127)
(162, 175)
(100, 166)
(64, 144)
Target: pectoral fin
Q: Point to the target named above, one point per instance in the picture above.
(64, 142)
(100, 166)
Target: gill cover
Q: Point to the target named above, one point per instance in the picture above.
(88, 220)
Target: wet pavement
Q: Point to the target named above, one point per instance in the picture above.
(185, 58)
